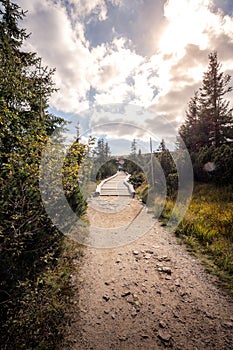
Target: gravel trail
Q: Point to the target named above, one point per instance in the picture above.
(149, 294)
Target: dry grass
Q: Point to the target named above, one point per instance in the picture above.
(207, 227)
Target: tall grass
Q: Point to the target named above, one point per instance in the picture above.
(208, 226)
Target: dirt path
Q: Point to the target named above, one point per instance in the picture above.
(150, 294)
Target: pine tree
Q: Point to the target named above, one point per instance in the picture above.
(189, 131)
(165, 159)
(26, 232)
(162, 147)
(78, 136)
(14, 86)
(215, 110)
(104, 166)
(209, 119)
(168, 168)
(99, 151)
(107, 151)
(29, 241)
(133, 153)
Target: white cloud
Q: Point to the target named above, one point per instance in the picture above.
(114, 63)
(117, 70)
(54, 39)
(192, 31)
(85, 8)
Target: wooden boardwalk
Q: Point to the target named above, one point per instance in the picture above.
(116, 185)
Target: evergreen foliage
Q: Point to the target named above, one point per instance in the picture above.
(169, 169)
(208, 129)
(103, 165)
(28, 241)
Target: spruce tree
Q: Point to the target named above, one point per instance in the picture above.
(189, 131)
(26, 232)
(215, 111)
(209, 118)
(133, 153)
(29, 242)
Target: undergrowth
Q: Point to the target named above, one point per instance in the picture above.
(207, 228)
(34, 316)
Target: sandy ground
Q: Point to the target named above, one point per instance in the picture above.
(149, 294)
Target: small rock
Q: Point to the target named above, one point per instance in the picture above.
(166, 258)
(228, 324)
(147, 256)
(137, 303)
(118, 261)
(162, 324)
(125, 294)
(83, 311)
(135, 252)
(106, 297)
(165, 270)
(164, 335)
(134, 314)
(159, 265)
(145, 336)
(113, 316)
(168, 278)
(123, 338)
(149, 251)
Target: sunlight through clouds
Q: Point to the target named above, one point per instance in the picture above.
(183, 17)
(146, 53)
(183, 50)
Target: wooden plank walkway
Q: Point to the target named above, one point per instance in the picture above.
(117, 185)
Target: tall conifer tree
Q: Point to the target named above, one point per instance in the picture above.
(209, 118)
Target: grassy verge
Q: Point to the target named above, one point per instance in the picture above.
(207, 228)
(35, 317)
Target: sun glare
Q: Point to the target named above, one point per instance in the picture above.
(186, 24)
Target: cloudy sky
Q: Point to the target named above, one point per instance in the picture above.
(146, 56)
